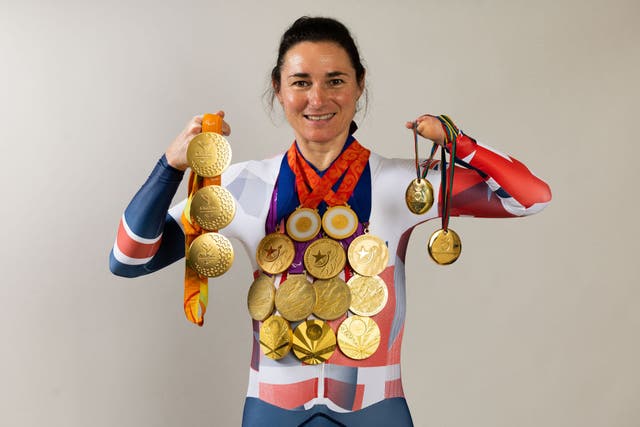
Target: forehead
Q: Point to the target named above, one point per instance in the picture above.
(316, 57)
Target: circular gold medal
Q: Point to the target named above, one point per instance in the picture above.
(275, 337)
(295, 298)
(209, 154)
(313, 342)
(358, 337)
(210, 254)
(339, 222)
(261, 297)
(333, 298)
(303, 224)
(324, 258)
(444, 246)
(419, 196)
(368, 255)
(369, 295)
(213, 207)
(275, 253)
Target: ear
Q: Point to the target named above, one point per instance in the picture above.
(362, 84)
(276, 89)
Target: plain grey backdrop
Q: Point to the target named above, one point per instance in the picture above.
(536, 325)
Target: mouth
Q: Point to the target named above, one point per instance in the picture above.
(319, 117)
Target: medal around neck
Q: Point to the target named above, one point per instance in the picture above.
(261, 297)
(444, 246)
(324, 258)
(358, 337)
(313, 342)
(275, 253)
(210, 254)
(275, 337)
(209, 154)
(368, 255)
(339, 222)
(419, 196)
(303, 224)
(333, 298)
(212, 207)
(295, 298)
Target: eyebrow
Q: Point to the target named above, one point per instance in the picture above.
(307, 75)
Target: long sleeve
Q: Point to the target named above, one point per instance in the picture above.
(494, 184)
(148, 238)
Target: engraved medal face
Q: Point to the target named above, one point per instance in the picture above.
(358, 337)
(324, 258)
(369, 295)
(444, 246)
(295, 298)
(209, 154)
(419, 196)
(213, 207)
(333, 298)
(313, 342)
(339, 222)
(261, 297)
(368, 255)
(210, 254)
(275, 253)
(275, 337)
(303, 224)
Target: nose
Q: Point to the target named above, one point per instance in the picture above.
(317, 96)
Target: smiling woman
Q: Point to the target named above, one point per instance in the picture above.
(329, 231)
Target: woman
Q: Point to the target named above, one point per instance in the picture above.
(318, 80)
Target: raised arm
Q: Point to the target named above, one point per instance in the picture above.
(489, 183)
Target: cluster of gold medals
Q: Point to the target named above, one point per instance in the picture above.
(329, 297)
(444, 245)
(211, 207)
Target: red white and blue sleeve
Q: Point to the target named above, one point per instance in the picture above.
(149, 238)
(494, 185)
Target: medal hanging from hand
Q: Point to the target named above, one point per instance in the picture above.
(444, 245)
(419, 194)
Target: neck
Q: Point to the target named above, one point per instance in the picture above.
(322, 154)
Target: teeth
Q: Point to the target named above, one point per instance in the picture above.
(323, 117)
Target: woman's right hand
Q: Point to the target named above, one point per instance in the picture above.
(177, 152)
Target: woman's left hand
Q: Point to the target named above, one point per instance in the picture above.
(430, 128)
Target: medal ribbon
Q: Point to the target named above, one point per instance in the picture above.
(196, 287)
(312, 189)
(451, 134)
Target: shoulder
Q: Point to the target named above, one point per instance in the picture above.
(254, 170)
(383, 167)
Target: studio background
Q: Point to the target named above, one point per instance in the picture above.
(536, 325)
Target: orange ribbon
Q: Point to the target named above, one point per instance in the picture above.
(312, 189)
(196, 287)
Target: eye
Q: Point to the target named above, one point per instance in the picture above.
(336, 82)
(300, 83)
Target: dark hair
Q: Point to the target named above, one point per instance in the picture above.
(317, 29)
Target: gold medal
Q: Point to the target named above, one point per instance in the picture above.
(303, 224)
(275, 253)
(324, 258)
(369, 295)
(313, 342)
(210, 254)
(444, 246)
(275, 337)
(339, 222)
(333, 298)
(212, 207)
(295, 298)
(209, 154)
(368, 255)
(261, 297)
(358, 337)
(419, 196)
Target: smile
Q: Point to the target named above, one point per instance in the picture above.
(319, 117)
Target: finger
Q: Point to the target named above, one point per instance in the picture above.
(409, 125)
(220, 113)
(226, 129)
